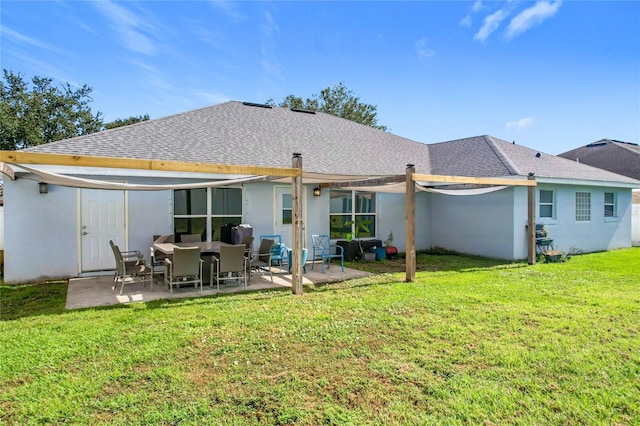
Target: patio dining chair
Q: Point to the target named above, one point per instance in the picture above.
(190, 238)
(184, 268)
(261, 260)
(279, 251)
(247, 241)
(230, 265)
(131, 257)
(157, 257)
(323, 249)
(128, 271)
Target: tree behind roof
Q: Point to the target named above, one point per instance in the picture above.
(338, 101)
(44, 113)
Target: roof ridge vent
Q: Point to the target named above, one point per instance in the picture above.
(594, 144)
(306, 111)
(253, 104)
(626, 143)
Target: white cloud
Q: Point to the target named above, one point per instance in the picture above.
(520, 124)
(531, 16)
(269, 61)
(423, 50)
(229, 9)
(23, 39)
(490, 24)
(213, 98)
(477, 7)
(129, 26)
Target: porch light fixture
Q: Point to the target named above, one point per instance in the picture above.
(316, 191)
(43, 187)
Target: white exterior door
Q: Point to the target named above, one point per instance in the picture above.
(102, 219)
(284, 215)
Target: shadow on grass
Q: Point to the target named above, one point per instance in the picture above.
(435, 260)
(49, 298)
(26, 300)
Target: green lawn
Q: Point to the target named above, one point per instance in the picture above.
(491, 343)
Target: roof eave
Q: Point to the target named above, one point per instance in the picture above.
(585, 182)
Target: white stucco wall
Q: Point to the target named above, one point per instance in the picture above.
(149, 213)
(597, 234)
(392, 217)
(635, 225)
(258, 208)
(41, 232)
(1, 227)
(476, 224)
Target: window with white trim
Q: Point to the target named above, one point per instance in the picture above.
(583, 206)
(609, 204)
(204, 210)
(546, 208)
(347, 216)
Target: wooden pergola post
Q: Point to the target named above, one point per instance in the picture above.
(296, 207)
(410, 195)
(531, 222)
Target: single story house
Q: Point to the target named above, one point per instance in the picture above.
(62, 229)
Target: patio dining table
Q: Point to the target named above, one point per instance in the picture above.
(207, 248)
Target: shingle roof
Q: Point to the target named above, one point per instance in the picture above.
(239, 134)
(616, 156)
(486, 156)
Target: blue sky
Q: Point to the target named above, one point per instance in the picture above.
(550, 75)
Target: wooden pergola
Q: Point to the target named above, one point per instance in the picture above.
(295, 173)
(411, 177)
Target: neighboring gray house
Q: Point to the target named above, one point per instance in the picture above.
(65, 231)
(617, 157)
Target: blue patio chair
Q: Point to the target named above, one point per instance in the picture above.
(323, 249)
(279, 251)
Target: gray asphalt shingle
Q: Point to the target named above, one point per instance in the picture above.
(618, 157)
(238, 134)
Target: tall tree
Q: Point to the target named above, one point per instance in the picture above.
(119, 122)
(336, 100)
(43, 113)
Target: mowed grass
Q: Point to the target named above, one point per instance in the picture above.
(492, 343)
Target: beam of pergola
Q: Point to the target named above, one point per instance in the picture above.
(20, 157)
(412, 178)
(417, 177)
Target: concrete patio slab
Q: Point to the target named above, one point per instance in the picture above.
(97, 291)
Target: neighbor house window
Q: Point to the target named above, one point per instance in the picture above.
(546, 203)
(204, 210)
(609, 204)
(352, 211)
(583, 206)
